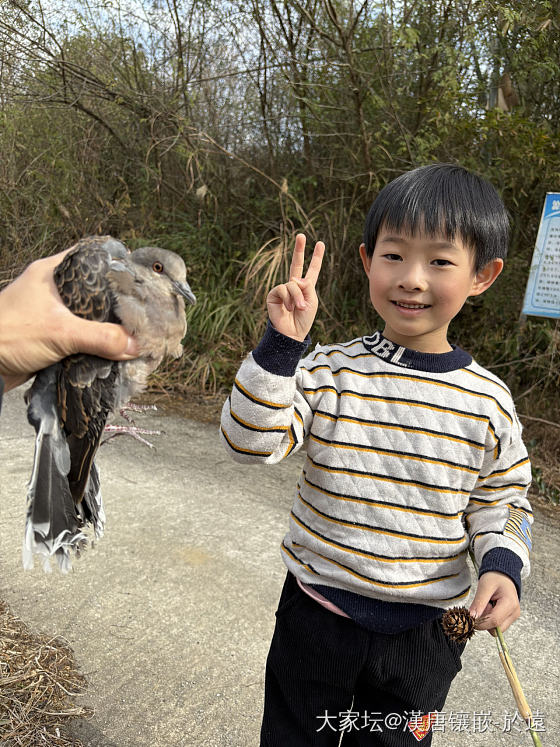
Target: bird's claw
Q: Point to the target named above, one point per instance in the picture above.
(130, 430)
(133, 407)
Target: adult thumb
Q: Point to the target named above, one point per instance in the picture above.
(104, 339)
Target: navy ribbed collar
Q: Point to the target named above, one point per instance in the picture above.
(407, 358)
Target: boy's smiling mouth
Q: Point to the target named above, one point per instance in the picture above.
(408, 305)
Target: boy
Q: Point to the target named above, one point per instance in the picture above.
(414, 455)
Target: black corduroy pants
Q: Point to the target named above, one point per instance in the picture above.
(326, 675)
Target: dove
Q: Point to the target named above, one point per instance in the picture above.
(70, 402)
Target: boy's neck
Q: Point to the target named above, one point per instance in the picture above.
(434, 342)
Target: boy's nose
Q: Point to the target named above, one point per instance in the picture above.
(412, 278)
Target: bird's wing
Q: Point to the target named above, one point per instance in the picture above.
(81, 280)
(86, 383)
(87, 388)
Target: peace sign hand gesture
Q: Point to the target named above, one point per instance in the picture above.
(292, 306)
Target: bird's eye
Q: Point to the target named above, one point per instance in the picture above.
(157, 267)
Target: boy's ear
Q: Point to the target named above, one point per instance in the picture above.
(366, 261)
(485, 277)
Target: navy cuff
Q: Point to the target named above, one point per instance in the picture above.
(279, 354)
(505, 561)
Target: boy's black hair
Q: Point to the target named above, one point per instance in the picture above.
(442, 199)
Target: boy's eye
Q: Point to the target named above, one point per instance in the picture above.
(393, 257)
(441, 262)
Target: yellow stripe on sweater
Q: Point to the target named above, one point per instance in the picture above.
(254, 427)
(375, 530)
(395, 427)
(394, 401)
(385, 584)
(504, 471)
(241, 450)
(387, 452)
(253, 397)
(409, 377)
(487, 378)
(393, 480)
(380, 504)
(408, 403)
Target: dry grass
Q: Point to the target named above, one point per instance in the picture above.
(38, 682)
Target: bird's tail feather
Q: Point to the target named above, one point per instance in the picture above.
(53, 525)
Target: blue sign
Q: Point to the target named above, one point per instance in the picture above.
(542, 295)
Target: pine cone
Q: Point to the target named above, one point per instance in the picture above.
(458, 624)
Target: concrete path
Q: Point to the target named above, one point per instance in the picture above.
(171, 614)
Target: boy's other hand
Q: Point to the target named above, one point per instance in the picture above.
(292, 306)
(496, 601)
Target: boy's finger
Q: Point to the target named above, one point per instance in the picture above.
(507, 622)
(298, 257)
(288, 294)
(481, 608)
(316, 261)
(484, 593)
(502, 613)
(296, 294)
(280, 295)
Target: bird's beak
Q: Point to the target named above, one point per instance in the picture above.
(184, 289)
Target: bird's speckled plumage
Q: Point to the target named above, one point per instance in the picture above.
(69, 403)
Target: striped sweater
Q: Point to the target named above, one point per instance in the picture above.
(412, 459)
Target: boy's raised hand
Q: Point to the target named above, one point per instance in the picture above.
(292, 306)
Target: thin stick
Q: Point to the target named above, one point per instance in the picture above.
(539, 420)
(515, 684)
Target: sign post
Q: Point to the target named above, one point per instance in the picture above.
(542, 295)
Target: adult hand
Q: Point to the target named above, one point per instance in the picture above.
(36, 329)
(495, 602)
(292, 306)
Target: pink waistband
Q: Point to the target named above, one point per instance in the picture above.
(321, 599)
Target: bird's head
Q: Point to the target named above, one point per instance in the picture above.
(165, 264)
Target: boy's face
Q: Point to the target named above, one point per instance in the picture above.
(418, 283)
